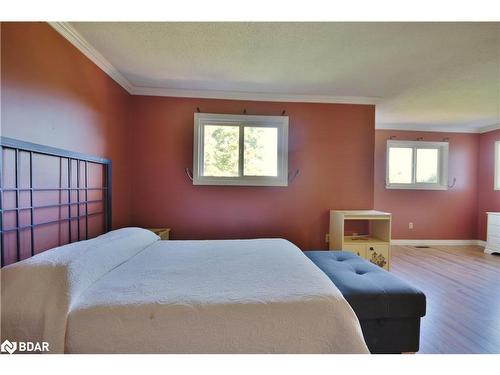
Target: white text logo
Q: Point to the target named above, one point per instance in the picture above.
(24, 346)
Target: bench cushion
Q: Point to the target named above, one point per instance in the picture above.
(372, 292)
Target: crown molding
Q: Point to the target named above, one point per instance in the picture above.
(427, 128)
(75, 38)
(438, 128)
(490, 128)
(257, 96)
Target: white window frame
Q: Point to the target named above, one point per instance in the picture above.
(278, 122)
(442, 183)
(496, 182)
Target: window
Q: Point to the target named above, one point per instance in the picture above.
(240, 150)
(417, 165)
(497, 165)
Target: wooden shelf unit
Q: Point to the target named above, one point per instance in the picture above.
(374, 246)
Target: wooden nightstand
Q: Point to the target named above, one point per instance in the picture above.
(164, 233)
(375, 246)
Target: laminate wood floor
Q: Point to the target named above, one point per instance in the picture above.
(462, 285)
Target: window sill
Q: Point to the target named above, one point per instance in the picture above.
(414, 187)
(241, 181)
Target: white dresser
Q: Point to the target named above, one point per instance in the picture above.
(493, 236)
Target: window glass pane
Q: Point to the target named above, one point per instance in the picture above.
(427, 165)
(221, 150)
(400, 165)
(260, 151)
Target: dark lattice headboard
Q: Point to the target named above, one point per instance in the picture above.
(50, 197)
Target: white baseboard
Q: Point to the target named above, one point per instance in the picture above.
(438, 242)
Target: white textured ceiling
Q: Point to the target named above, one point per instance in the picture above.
(422, 75)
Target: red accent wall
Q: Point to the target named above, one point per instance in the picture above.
(439, 215)
(331, 144)
(488, 198)
(53, 95)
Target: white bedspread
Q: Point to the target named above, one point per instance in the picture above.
(37, 293)
(242, 296)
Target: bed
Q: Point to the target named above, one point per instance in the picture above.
(127, 292)
(69, 280)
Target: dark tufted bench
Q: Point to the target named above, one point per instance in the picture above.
(388, 309)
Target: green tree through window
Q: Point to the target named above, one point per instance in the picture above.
(221, 150)
(260, 151)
